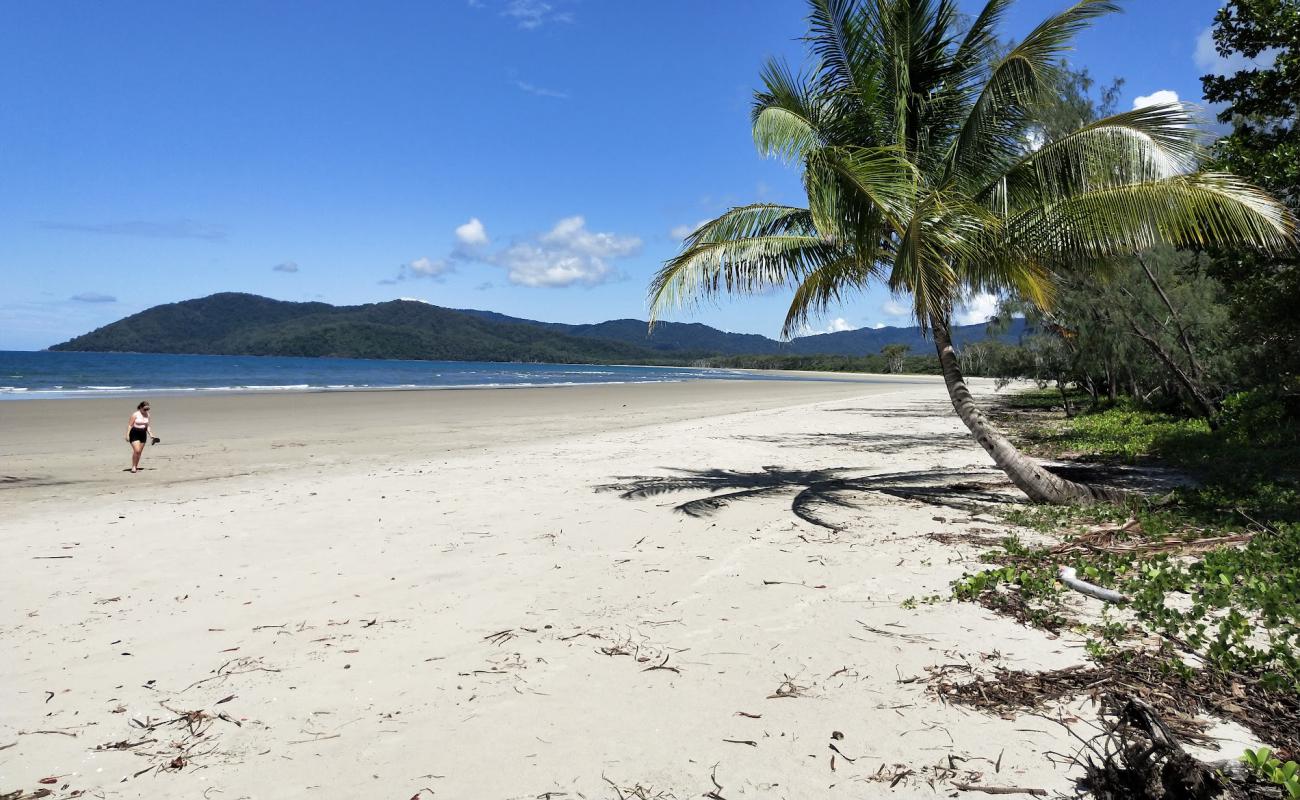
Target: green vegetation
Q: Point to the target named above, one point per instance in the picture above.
(1262, 762)
(1213, 567)
(942, 163)
(913, 365)
(1262, 103)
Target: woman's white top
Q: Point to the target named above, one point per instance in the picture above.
(139, 420)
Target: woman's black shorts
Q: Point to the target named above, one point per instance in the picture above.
(139, 434)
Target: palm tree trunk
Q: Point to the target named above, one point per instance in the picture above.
(1041, 485)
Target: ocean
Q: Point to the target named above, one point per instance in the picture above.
(32, 375)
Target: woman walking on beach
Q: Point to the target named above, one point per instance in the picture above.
(138, 433)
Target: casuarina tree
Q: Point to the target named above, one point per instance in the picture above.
(927, 169)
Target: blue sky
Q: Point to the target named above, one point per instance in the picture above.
(534, 158)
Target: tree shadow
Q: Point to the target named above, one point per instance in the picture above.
(16, 481)
(815, 492)
(923, 411)
(885, 443)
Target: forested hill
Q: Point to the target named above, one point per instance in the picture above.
(245, 324)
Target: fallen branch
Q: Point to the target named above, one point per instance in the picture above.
(1070, 578)
(966, 787)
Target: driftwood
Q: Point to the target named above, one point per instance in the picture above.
(966, 787)
(1138, 758)
(1069, 577)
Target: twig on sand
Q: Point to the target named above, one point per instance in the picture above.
(663, 665)
(716, 792)
(788, 688)
(966, 787)
(500, 637)
(317, 739)
(749, 742)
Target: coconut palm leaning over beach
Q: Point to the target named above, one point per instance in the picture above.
(925, 170)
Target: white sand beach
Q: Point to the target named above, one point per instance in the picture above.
(424, 595)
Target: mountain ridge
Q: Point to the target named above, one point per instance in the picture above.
(233, 323)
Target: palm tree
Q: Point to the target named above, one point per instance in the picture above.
(925, 169)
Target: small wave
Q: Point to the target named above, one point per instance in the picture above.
(104, 388)
(293, 387)
(13, 389)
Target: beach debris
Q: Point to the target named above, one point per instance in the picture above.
(1137, 757)
(235, 666)
(1069, 577)
(793, 583)
(716, 792)
(500, 637)
(966, 787)
(636, 791)
(749, 742)
(663, 665)
(1116, 539)
(788, 688)
(1178, 696)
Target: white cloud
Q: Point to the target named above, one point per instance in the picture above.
(893, 308)
(977, 309)
(565, 255)
(541, 91)
(425, 267)
(1159, 97)
(93, 297)
(839, 324)
(416, 300)
(680, 232)
(878, 325)
(1208, 58)
(472, 233)
(530, 14)
(286, 266)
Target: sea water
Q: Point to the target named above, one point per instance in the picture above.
(31, 375)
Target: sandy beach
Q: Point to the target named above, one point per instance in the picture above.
(491, 594)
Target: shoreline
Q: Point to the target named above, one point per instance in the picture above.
(811, 376)
(49, 446)
(621, 373)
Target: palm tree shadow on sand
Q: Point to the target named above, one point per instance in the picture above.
(816, 492)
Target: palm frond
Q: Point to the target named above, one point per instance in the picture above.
(1145, 144)
(745, 251)
(834, 36)
(1198, 210)
(826, 286)
(995, 129)
(785, 115)
(980, 45)
(882, 175)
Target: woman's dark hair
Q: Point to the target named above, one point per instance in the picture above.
(142, 405)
